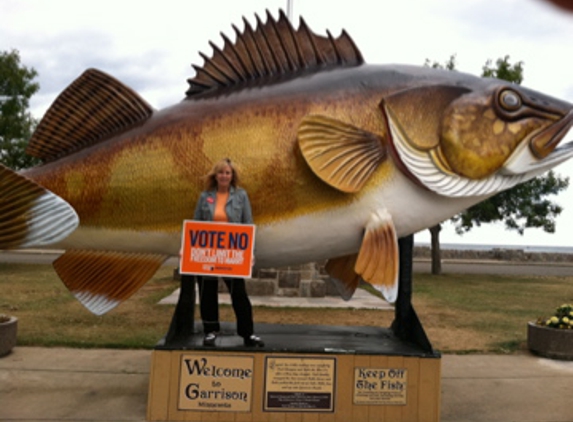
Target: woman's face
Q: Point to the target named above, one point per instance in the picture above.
(224, 177)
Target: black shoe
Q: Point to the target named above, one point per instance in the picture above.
(254, 341)
(209, 339)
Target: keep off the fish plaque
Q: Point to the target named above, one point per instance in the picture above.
(380, 386)
(299, 384)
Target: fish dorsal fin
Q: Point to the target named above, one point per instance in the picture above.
(342, 155)
(94, 107)
(273, 50)
(101, 280)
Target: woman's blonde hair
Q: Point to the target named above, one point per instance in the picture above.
(211, 177)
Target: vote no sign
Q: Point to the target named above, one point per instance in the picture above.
(217, 249)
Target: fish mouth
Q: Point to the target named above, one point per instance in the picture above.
(543, 150)
(547, 140)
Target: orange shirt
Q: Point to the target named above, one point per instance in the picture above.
(220, 203)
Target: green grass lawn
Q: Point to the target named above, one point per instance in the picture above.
(50, 316)
(495, 308)
(461, 313)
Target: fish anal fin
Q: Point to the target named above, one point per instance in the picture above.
(101, 280)
(341, 271)
(273, 50)
(90, 110)
(340, 154)
(378, 259)
(420, 110)
(31, 216)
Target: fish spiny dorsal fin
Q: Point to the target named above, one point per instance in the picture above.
(94, 107)
(273, 50)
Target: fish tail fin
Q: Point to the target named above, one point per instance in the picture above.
(30, 215)
(101, 280)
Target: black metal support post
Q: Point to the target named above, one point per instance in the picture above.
(182, 325)
(406, 325)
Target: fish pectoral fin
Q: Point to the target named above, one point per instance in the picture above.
(341, 271)
(378, 260)
(90, 110)
(31, 216)
(420, 110)
(340, 154)
(101, 280)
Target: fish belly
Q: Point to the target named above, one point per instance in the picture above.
(338, 231)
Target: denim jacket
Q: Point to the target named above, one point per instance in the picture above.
(238, 207)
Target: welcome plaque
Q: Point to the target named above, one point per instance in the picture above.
(299, 384)
(221, 383)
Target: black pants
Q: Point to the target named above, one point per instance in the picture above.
(209, 302)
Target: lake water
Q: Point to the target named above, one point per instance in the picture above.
(483, 247)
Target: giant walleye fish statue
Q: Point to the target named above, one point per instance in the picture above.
(340, 159)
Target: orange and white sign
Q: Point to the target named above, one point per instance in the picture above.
(217, 249)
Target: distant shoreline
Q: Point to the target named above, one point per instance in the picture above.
(486, 247)
(497, 252)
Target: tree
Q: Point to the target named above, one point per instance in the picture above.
(520, 207)
(523, 206)
(16, 123)
(504, 70)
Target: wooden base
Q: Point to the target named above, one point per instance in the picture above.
(308, 383)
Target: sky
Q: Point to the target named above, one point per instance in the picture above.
(150, 46)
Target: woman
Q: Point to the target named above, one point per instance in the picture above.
(224, 201)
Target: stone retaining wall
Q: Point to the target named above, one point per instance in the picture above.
(308, 280)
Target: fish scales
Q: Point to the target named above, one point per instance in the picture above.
(148, 178)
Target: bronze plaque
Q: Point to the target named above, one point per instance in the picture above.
(299, 384)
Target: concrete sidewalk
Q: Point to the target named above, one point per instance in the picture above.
(58, 384)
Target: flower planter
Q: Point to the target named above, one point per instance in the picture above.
(8, 333)
(549, 342)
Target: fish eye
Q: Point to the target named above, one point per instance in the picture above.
(509, 100)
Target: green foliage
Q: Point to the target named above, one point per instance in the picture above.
(449, 65)
(504, 70)
(562, 319)
(16, 123)
(523, 206)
